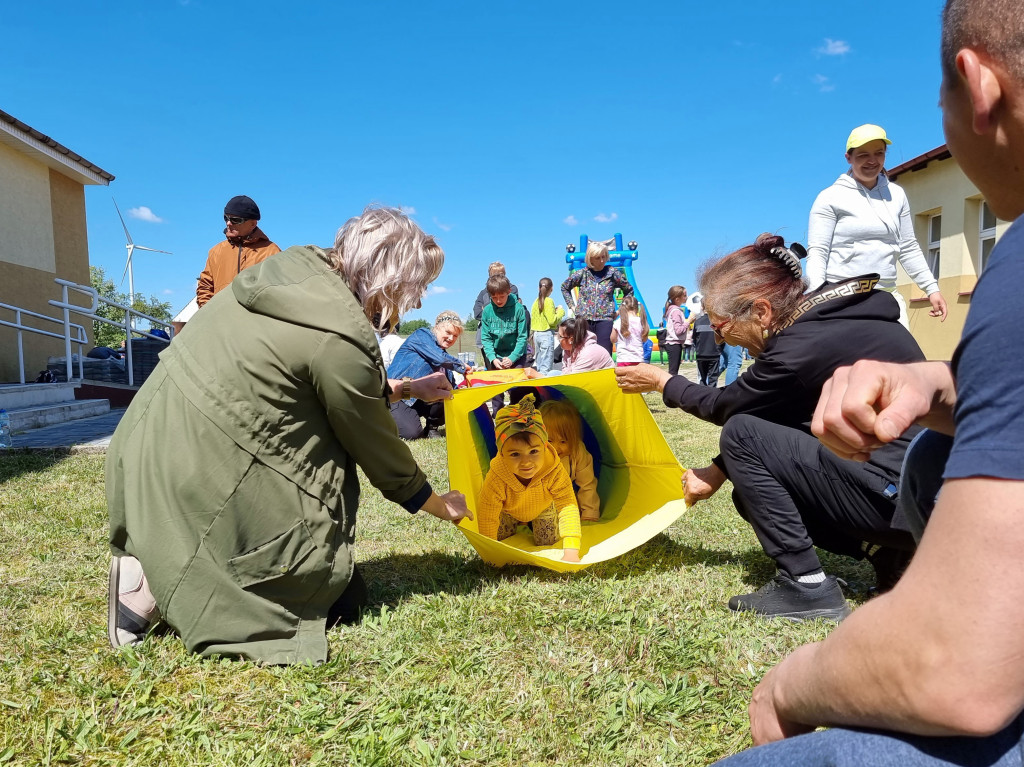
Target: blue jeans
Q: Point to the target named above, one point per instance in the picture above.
(920, 482)
(854, 748)
(921, 478)
(732, 359)
(544, 350)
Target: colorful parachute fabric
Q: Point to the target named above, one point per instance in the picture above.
(638, 475)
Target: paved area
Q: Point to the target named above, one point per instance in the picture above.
(82, 435)
(93, 434)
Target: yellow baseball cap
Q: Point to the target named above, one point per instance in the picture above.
(863, 134)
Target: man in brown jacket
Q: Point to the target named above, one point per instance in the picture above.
(245, 245)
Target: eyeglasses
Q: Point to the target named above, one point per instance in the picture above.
(236, 220)
(717, 328)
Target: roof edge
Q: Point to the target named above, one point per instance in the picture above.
(917, 163)
(54, 149)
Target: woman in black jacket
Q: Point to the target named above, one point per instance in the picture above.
(795, 493)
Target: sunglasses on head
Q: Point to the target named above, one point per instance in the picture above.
(236, 220)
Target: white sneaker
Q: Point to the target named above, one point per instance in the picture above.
(131, 609)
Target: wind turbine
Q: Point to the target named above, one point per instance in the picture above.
(132, 247)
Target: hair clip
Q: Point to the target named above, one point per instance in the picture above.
(791, 257)
(447, 317)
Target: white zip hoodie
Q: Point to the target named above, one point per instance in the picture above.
(854, 230)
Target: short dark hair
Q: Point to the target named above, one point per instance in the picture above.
(498, 284)
(995, 27)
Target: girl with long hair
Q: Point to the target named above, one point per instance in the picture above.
(631, 333)
(675, 320)
(544, 319)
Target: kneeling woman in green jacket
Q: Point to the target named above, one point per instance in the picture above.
(231, 479)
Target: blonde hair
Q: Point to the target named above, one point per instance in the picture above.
(496, 267)
(595, 250)
(563, 421)
(630, 304)
(387, 261)
(448, 317)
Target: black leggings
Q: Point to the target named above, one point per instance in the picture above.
(603, 330)
(797, 494)
(675, 353)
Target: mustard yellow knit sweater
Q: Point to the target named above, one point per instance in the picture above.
(504, 491)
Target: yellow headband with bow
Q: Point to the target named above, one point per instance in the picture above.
(519, 418)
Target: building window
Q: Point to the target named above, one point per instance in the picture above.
(986, 234)
(934, 240)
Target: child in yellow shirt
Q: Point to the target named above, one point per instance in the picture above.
(527, 483)
(563, 423)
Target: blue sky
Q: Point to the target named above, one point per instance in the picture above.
(508, 129)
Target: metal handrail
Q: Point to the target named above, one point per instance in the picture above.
(128, 325)
(80, 336)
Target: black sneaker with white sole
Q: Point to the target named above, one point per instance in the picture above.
(785, 597)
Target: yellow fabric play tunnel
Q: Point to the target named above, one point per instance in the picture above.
(638, 476)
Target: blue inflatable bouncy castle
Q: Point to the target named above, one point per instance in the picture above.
(620, 258)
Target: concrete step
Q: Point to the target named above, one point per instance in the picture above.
(19, 396)
(23, 419)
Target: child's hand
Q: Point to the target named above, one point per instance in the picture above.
(571, 555)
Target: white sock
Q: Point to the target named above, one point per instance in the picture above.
(818, 576)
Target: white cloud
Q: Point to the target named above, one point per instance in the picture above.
(438, 290)
(144, 214)
(603, 219)
(408, 210)
(834, 47)
(777, 79)
(168, 292)
(823, 83)
(570, 220)
(442, 227)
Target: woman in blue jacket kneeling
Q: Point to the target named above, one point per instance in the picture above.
(425, 352)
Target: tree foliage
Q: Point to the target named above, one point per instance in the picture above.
(472, 324)
(109, 335)
(412, 325)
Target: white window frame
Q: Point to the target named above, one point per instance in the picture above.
(933, 251)
(985, 235)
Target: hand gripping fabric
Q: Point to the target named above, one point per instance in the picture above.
(637, 474)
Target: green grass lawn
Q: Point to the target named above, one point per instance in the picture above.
(634, 661)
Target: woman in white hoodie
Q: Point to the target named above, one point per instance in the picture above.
(861, 224)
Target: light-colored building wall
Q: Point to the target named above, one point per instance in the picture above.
(939, 187)
(42, 218)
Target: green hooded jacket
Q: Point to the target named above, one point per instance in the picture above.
(232, 476)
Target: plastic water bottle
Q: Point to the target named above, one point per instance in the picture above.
(5, 430)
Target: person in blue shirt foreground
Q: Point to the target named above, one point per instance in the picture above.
(932, 673)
